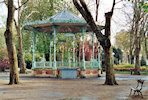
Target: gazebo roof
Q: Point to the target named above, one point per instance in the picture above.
(66, 16)
(65, 22)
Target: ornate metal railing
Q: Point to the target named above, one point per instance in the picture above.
(43, 64)
(60, 64)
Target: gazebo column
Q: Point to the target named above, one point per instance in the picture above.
(50, 52)
(54, 62)
(98, 54)
(33, 50)
(83, 62)
(73, 51)
(93, 50)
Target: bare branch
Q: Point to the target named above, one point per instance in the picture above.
(113, 6)
(88, 17)
(22, 5)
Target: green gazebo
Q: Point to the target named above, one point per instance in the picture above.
(70, 24)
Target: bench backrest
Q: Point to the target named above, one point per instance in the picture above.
(141, 82)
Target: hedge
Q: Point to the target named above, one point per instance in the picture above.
(128, 67)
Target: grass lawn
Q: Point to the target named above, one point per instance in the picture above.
(128, 72)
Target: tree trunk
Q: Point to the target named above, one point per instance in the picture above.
(97, 6)
(108, 57)
(103, 39)
(20, 52)
(14, 77)
(146, 48)
(131, 44)
(137, 50)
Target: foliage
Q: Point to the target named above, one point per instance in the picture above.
(122, 40)
(40, 10)
(3, 49)
(124, 65)
(4, 64)
(143, 5)
(139, 24)
(28, 60)
(26, 40)
(128, 72)
(37, 57)
(42, 43)
(127, 67)
(143, 62)
(117, 55)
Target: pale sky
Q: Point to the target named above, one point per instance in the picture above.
(118, 19)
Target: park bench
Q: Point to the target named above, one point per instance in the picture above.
(138, 88)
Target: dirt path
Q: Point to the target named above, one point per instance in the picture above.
(69, 89)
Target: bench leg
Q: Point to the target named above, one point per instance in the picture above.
(134, 92)
(130, 92)
(141, 94)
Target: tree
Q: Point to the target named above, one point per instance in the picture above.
(103, 39)
(118, 55)
(14, 77)
(20, 46)
(139, 14)
(124, 41)
(3, 50)
(145, 42)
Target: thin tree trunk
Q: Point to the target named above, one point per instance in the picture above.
(20, 50)
(146, 48)
(14, 77)
(131, 44)
(97, 6)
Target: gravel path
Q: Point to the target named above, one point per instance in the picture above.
(44, 88)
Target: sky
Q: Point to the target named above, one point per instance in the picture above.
(119, 20)
(3, 12)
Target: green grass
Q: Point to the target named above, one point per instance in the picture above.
(128, 72)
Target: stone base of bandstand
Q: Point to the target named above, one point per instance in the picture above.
(89, 72)
(47, 72)
(69, 73)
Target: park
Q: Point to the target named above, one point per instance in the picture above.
(67, 50)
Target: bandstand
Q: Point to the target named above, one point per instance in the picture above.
(70, 24)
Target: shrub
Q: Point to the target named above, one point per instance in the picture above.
(124, 67)
(142, 68)
(129, 66)
(143, 62)
(37, 57)
(28, 60)
(4, 65)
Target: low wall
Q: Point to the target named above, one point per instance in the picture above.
(69, 73)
